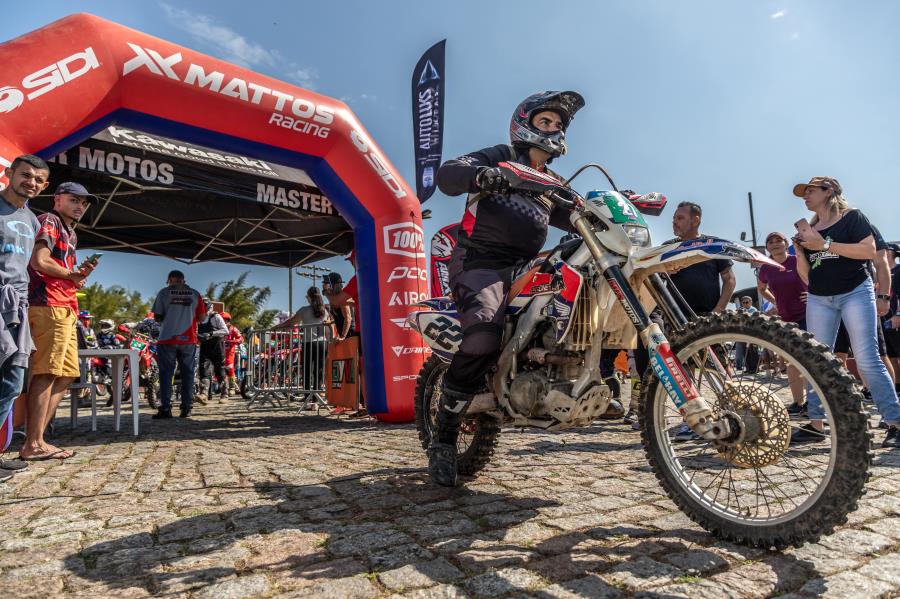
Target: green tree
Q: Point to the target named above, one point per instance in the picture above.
(116, 303)
(244, 302)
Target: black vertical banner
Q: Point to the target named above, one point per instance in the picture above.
(428, 117)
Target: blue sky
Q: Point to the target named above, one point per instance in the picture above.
(703, 100)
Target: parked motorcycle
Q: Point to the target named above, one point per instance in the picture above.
(148, 369)
(738, 477)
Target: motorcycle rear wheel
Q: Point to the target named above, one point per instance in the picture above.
(802, 492)
(478, 434)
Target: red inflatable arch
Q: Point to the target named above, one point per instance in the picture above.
(64, 82)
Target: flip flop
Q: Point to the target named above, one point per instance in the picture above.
(49, 456)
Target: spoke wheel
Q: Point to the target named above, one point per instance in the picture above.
(756, 488)
(478, 434)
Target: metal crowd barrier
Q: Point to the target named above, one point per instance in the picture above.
(288, 363)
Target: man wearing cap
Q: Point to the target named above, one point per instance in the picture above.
(179, 308)
(28, 176)
(53, 314)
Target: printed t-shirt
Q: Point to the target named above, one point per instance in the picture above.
(786, 286)
(44, 290)
(180, 308)
(830, 274)
(18, 229)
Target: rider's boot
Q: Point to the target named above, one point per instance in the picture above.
(232, 385)
(223, 391)
(442, 467)
(203, 394)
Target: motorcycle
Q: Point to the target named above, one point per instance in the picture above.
(148, 369)
(100, 376)
(737, 475)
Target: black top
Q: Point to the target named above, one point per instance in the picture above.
(830, 274)
(699, 284)
(498, 231)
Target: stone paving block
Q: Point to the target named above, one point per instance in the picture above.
(861, 542)
(566, 566)
(191, 528)
(354, 587)
(420, 574)
(244, 587)
(502, 582)
(389, 558)
(642, 573)
(845, 584)
(588, 586)
(695, 589)
(488, 558)
(442, 591)
(885, 568)
(695, 562)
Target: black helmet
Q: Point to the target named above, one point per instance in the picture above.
(521, 131)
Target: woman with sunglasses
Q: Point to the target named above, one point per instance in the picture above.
(787, 291)
(832, 251)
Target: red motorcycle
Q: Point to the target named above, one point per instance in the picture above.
(147, 366)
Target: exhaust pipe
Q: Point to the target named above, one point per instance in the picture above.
(559, 358)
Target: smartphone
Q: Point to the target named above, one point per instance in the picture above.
(802, 225)
(94, 258)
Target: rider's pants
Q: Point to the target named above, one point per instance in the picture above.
(480, 296)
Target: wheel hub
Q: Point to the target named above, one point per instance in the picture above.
(765, 426)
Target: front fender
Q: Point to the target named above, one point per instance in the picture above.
(679, 254)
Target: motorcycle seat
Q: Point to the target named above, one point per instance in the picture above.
(516, 288)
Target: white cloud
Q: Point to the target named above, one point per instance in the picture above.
(304, 77)
(229, 45)
(778, 14)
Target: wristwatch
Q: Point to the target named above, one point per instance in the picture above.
(883, 296)
(827, 244)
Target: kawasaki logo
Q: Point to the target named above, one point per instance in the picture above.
(48, 78)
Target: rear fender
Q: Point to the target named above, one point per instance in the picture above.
(440, 329)
(677, 255)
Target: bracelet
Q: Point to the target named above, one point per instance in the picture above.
(883, 296)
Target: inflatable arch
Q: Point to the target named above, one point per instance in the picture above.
(65, 82)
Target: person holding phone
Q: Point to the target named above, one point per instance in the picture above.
(53, 313)
(832, 251)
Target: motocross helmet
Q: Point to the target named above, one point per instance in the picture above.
(106, 325)
(523, 132)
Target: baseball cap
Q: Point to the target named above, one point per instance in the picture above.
(894, 247)
(76, 189)
(777, 234)
(827, 182)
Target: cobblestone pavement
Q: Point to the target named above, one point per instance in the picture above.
(266, 503)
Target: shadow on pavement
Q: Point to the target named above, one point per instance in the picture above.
(394, 524)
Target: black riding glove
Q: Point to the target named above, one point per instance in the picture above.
(627, 193)
(490, 180)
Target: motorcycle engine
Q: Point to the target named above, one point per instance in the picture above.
(528, 390)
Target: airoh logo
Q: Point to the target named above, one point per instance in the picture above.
(47, 79)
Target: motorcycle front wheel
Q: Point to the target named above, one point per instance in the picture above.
(762, 491)
(477, 434)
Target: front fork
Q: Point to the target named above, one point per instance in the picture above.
(668, 369)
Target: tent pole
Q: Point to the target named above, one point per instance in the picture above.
(290, 286)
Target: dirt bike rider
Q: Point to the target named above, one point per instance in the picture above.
(501, 231)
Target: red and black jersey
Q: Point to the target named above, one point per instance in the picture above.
(44, 290)
(498, 230)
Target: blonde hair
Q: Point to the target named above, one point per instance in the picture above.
(836, 205)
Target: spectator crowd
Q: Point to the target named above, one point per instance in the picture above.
(42, 329)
